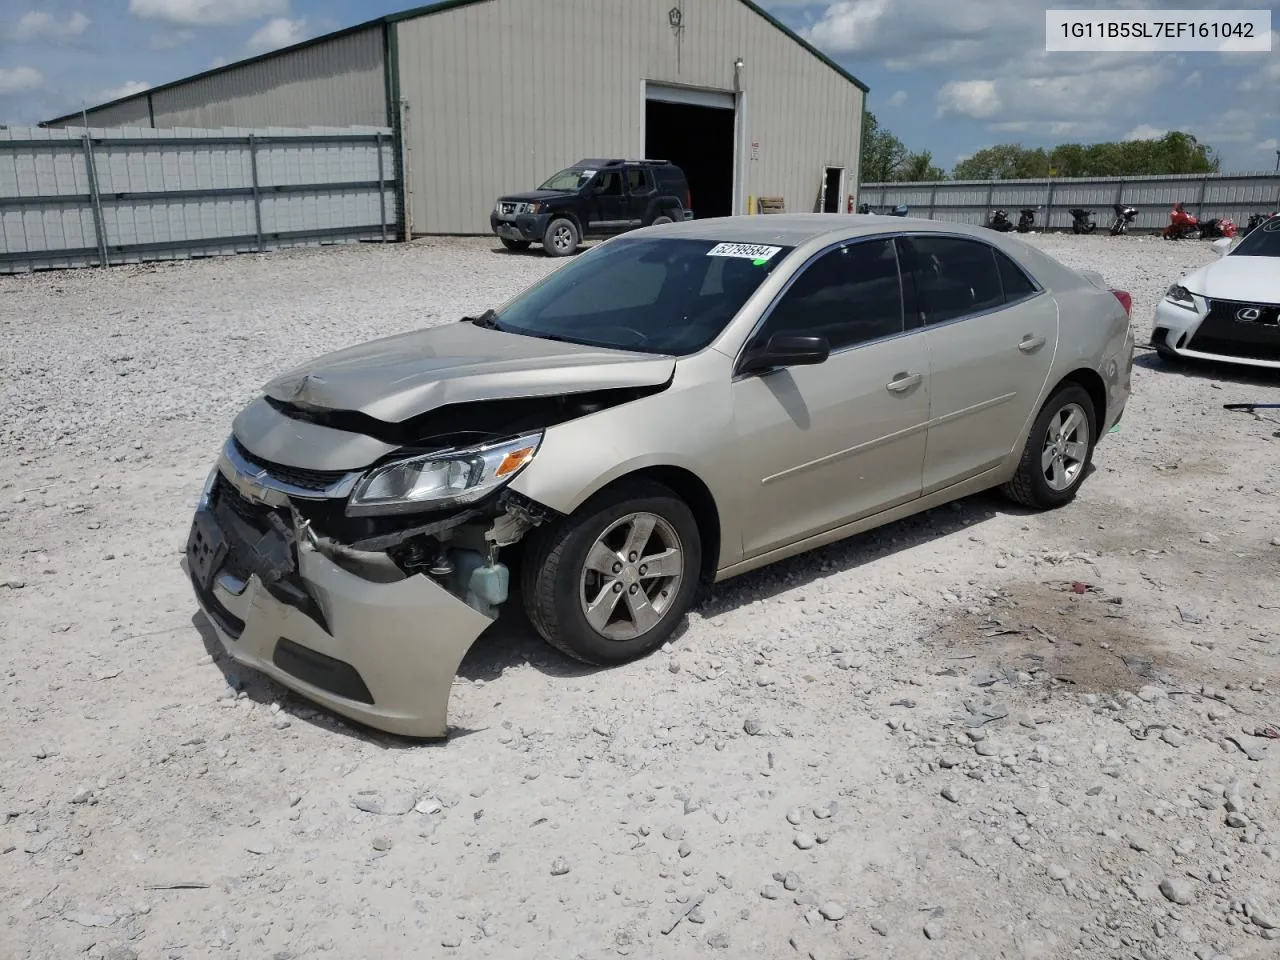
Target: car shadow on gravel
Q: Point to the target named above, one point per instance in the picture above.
(862, 549)
(1193, 369)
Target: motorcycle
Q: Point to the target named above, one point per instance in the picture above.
(1215, 228)
(1255, 221)
(1181, 226)
(899, 211)
(1080, 222)
(1026, 219)
(1000, 222)
(1124, 219)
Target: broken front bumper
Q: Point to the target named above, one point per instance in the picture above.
(380, 648)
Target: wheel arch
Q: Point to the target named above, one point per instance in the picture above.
(1093, 385)
(690, 488)
(570, 215)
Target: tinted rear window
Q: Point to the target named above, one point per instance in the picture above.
(1016, 285)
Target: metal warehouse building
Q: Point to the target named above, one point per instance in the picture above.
(491, 96)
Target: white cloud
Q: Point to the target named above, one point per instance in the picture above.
(1144, 131)
(277, 33)
(927, 31)
(897, 100)
(171, 39)
(217, 62)
(1050, 128)
(1086, 101)
(1270, 146)
(40, 26)
(206, 12)
(1267, 78)
(970, 98)
(126, 89)
(19, 80)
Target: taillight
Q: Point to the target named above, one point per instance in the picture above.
(1126, 301)
(688, 199)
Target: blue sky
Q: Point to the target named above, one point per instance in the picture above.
(950, 76)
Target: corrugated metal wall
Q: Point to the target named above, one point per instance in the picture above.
(504, 93)
(126, 195)
(972, 201)
(339, 82)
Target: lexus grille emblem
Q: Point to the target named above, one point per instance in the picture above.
(1248, 314)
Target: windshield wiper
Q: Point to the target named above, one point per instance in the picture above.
(488, 320)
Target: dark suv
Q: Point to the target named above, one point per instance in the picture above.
(592, 198)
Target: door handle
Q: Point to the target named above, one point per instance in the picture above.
(1031, 344)
(903, 382)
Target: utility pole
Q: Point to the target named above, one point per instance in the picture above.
(1278, 161)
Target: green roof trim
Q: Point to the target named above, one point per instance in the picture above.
(412, 14)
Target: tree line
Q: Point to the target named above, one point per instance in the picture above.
(885, 158)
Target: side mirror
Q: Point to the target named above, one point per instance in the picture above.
(1222, 245)
(786, 350)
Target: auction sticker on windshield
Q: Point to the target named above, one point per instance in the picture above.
(757, 252)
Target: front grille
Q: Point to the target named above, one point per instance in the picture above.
(1268, 314)
(254, 514)
(1225, 333)
(314, 480)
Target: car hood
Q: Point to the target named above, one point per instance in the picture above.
(531, 195)
(1251, 279)
(395, 378)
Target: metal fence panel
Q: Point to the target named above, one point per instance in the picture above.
(1234, 195)
(71, 198)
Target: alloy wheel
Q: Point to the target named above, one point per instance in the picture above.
(631, 576)
(1066, 447)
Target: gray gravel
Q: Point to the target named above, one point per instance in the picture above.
(1096, 745)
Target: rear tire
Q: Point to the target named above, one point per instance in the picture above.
(1058, 452)
(585, 586)
(660, 219)
(561, 238)
(519, 246)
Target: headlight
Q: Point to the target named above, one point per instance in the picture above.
(449, 478)
(1181, 296)
(534, 208)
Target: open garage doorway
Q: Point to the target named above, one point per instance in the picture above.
(695, 130)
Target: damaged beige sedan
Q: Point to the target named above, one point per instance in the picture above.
(674, 407)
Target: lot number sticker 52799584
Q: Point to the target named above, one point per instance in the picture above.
(758, 252)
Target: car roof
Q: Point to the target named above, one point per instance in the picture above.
(819, 229)
(600, 163)
(794, 229)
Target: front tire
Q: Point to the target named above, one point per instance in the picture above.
(1165, 352)
(613, 580)
(1058, 452)
(561, 238)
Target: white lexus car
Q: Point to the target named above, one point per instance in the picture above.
(1228, 310)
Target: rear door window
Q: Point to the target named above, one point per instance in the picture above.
(639, 180)
(953, 277)
(1017, 285)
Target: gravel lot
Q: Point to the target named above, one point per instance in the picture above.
(918, 743)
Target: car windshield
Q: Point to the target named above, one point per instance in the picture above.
(571, 179)
(660, 295)
(1262, 242)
